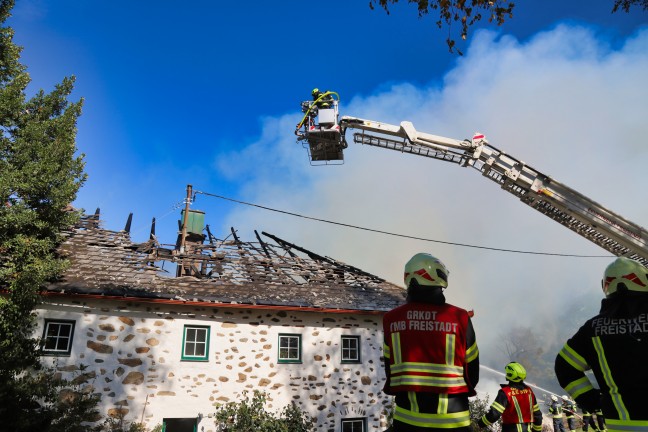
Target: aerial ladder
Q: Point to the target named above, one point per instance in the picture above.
(322, 132)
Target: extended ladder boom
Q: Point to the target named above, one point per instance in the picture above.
(561, 203)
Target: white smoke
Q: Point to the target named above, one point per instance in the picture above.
(565, 102)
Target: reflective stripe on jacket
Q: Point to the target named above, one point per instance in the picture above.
(555, 409)
(432, 410)
(445, 420)
(426, 349)
(569, 409)
(614, 345)
(516, 404)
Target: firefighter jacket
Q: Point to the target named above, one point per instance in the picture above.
(322, 100)
(555, 409)
(431, 363)
(430, 348)
(569, 408)
(614, 345)
(516, 404)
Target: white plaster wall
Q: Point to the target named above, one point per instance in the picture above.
(133, 354)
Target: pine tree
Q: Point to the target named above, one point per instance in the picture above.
(39, 178)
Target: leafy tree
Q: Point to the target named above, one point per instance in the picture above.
(523, 345)
(249, 415)
(479, 407)
(625, 5)
(39, 177)
(465, 12)
(119, 424)
(468, 12)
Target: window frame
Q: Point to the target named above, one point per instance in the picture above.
(56, 352)
(363, 421)
(358, 349)
(181, 422)
(196, 358)
(299, 348)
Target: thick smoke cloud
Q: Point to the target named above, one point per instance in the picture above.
(567, 102)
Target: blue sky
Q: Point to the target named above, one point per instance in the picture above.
(169, 89)
(208, 93)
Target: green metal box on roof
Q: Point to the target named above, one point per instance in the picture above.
(195, 221)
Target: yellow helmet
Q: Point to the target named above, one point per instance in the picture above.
(627, 273)
(515, 372)
(315, 91)
(426, 270)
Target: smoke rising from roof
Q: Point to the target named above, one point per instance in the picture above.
(566, 102)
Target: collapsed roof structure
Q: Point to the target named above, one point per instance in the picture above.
(270, 272)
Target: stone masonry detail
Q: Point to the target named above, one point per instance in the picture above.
(140, 373)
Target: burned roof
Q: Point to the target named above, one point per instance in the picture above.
(270, 271)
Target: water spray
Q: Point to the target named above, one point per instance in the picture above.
(530, 385)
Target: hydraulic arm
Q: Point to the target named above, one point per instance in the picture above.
(619, 236)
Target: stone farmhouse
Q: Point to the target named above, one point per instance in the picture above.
(164, 333)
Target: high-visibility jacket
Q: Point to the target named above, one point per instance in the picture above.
(556, 410)
(428, 348)
(516, 404)
(614, 345)
(569, 409)
(431, 412)
(431, 364)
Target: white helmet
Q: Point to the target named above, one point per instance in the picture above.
(627, 273)
(554, 398)
(426, 270)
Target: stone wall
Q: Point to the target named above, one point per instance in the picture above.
(130, 353)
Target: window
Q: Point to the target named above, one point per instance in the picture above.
(195, 343)
(57, 337)
(180, 424)
(289, 348)
(354, 425)
(350, 349)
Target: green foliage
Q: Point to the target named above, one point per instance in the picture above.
(117, 424)
(72, 407)
(479, 407)
(625, 5)
(388, 412)
(40, 401)
(39, 177)
(464, 12)
(523, 345)
(467, 13)
(250, 415)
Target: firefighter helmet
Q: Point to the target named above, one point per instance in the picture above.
(515, 372)
(627, 273)
(315, 91)
(426, 270)
(565, 398)
(554, 398)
